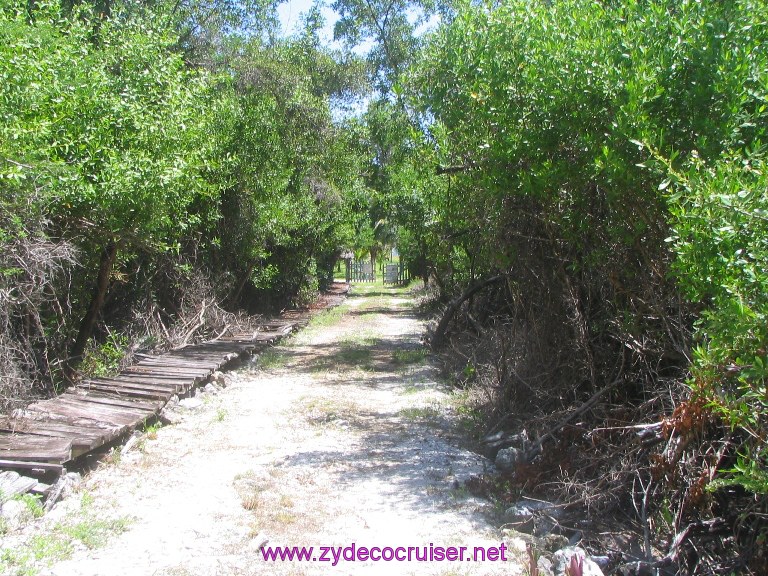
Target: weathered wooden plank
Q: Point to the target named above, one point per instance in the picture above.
(83, 439)
(114, 401)
(168, 371)
(12, 483)
(268, 336)
(159, 382)
(197, 362)
(32, 466)
(211, 345)
(89, 413)
(91, 403)
(213, 356)
(36, 448)
(81, 434)
(140, 383)
(129, 391)
(244, 337)
(171, 367)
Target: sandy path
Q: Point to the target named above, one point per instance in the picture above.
(347, 438)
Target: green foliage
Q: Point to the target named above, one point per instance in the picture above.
(610, 148)
(104, 359)
(110, 127)
(109, 137)
(720, 230)
(33, 505)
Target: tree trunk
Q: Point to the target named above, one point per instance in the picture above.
(235, 296)
(108, 256)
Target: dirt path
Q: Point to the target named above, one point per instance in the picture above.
(342, 436)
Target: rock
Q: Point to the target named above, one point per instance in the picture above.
(131, 443)
(495, 442)
(507, 458)
(565, 557)
(553, 542)
(169, 417)
(191, 403)
(219, 378)
(258, 542)
(523, 516)
(65, 486)
(71, 482)
(16, 514)
(544, 565)
(520, 517)
(211, 389)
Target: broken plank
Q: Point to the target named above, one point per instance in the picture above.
(37, 448)
(12, 484)
(38, 468)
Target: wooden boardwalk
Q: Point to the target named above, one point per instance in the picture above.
(50, 433)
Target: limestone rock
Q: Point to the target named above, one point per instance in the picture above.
(532, 516)
(16, 514)
(507, 459)
(562, 560)
(544, 565)
(191, 403)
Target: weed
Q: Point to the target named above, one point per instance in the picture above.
(105, 360)
(57, 544)
(416, 356)
(327, 318)
(151, 430)
(50, 548)
(471, 418)
(419, 413)
(284, 517)
(114, 456)
(320, 411)
(86, 501)
(221, 414)
(270, 359)
(354, 355)
(410, 389)
(94, 532)
(17, 561)
(32, 503)
(251, 501)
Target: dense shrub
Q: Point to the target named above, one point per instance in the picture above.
(608, 159)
